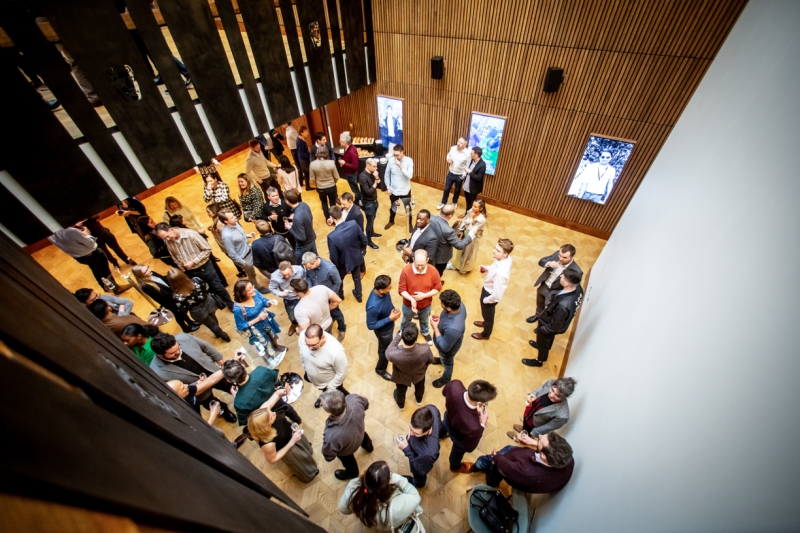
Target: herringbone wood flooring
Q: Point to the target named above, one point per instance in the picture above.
(498, 360)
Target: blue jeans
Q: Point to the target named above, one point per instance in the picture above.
(451, 180)
(447, 360)
(352, 180)
(299, 250)
(370, 211)
(424, 315)
(484, 462)
(338, 317)
(289, 305)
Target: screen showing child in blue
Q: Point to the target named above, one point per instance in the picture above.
(486, 131)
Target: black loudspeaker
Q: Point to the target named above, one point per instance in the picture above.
(437, 67)
(553, 79)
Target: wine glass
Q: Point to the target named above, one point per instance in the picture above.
(401, 438)
(296, 427)
(522, 435)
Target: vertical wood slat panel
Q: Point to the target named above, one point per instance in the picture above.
(630, 68)
(287, 14)
(319, 58)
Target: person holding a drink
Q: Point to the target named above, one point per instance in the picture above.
(421, 445)
(546, 410)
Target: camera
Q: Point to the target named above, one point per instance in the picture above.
(402, 244)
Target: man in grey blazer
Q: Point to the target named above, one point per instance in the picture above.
(448, 239)
(185, 357)
(549, 282)
(547, 408)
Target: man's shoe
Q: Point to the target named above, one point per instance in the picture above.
(479, 337)
(532, 319)
(215, 259)
(225, 337)
(192, 326)
(518, 427)
(437, 361)
(449, 266)
(418, 403)
(263, 290)
(241, 439)
(439, 383)
(342, 474)
(466, 468)
(228, 416)
(428, 339)
(373, 245)
(513, 435)
(478, 323)
(53, 105)
(340, 337)
(241, 275)
(394, 395)
(358, 297)
(384, 374)
(534, 345)
(376, 235)
(532, 362)
(389, 224)
(440, 206)
(317, 403)
(292, 329)
(119, 289)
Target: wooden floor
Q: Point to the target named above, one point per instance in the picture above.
(498, 360)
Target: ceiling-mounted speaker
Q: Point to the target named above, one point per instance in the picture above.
(553, 80)
(437, 67)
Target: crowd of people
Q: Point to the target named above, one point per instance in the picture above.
(283, 264)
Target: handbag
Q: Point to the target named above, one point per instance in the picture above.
(217, 300)
(412, 524)
(495, 511)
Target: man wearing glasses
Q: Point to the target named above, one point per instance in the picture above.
(421, 445)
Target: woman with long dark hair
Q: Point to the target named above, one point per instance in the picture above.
(157, 287)
(191, 295)
(256, 323)
(475, 219)
(131, 209)
(137, 338)
(158, 249)
(217, 191)
(380, 498)
(289, 176)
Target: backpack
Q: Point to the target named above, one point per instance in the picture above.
(282, 251)
(495, 510)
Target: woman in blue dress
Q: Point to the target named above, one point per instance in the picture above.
(257, 324)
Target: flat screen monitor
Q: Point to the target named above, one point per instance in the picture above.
(486, 131)
(600, 167)
(390, 120)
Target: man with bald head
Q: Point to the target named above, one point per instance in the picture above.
(448, 239)
(419, 283)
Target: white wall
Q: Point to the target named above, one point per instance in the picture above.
(687, 412)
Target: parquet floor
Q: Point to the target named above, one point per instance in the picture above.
(498, 360)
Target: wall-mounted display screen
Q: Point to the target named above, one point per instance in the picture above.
(486, 131)
(600, 167)
(390, 120)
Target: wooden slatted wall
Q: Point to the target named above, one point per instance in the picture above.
(630, 68)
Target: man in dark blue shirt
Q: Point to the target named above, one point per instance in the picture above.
(421, 446)
(448, 333)
(381, 316)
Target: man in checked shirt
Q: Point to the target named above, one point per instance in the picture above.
(191, 253)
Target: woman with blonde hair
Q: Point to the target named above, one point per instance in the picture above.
(192, 296)
(173, 206)
(280, 438)
(251, 198)
(289, 176)
(475, 218)
(157, 287)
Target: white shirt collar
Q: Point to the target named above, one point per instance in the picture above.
(419, 273)
(466, 401)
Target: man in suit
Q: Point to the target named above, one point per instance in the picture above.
(448, 239)
(548, 284)
(368, 181)
(557, 316)
(473, 179)
(424, 237)
(347, 245)
(185, 357)
(350, 210)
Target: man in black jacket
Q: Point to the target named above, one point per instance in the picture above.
(301, 227)
(368, 182)
(263, 249)
(473, 181)
(557, 316)
(346, 245)
(548, 284)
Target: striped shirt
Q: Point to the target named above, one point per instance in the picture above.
(190, 246)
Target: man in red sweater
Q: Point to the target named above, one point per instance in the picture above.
(543, 465)
(349, 164)
(419, 283)
(465, 417)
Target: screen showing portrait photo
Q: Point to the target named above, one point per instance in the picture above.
(486, 131)
(390, 121)
(600, 168)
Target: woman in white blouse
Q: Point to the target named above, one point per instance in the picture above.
(289, 176)
(464, 260)
(380, 498)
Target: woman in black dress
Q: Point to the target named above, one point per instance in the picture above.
(132, 208)
(105, 240)
(157, 287)
(192, 296)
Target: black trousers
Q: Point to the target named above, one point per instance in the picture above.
(543, 297)
(406, 199)
(545, 342)
(440, 268)
(487, 312)
(457, 451)
(206, 273)
(356, 274)
(419, 392)
(98, 263)
(384, 340)
(493, 476)
(449, 182)
(470, 199)
(108, 240)
(349, 461)
(327, 197)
